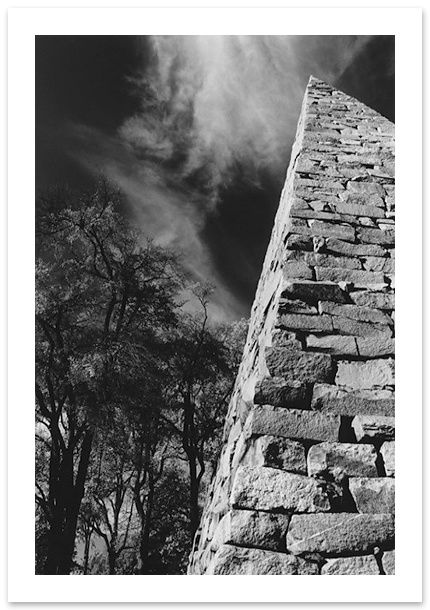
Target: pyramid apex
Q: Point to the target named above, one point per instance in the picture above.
(313, 80)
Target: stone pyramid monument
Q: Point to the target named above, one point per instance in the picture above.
(305, 480)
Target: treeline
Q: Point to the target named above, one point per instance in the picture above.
(132, 386)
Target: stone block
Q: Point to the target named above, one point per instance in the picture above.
(293, 423)
(286, 340)
(319, 206)
(388, 562)
(299, 226)
(371, 428)
(315, 291)
(251, 528)
(387, 451)
(298, 204)
(277, 392)
(237, 561)
(351, 566)
(342, 459)
(313, 214)
(296, 306)
(379, 300)
(340, 533)
(294, 366)
(299, 242)
(337, 345)
(375, 346)
(366, 222)
(346, 326)
(365, 375)
(358, 278)
(271, 489)
(276, 452)
(386, 225)
(299, 270)
(365, 188)
(363, 198)
(354, 312)
(327, 260)
(321, 182)
(327, 229)
(376, 263)
(347, 249)
(358, 209)
(376, 236)
(312, 323)
(373, 495)
(332, 399)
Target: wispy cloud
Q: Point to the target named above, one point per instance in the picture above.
(215, 109)
(170, 216)
(214, 106)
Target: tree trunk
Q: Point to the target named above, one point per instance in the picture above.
(194, 498)
(112, 557)
(67, 501)
(146, 527)
(88, 535)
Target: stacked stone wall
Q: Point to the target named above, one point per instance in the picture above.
(305, 481)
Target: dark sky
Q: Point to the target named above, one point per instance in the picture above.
(197, 131)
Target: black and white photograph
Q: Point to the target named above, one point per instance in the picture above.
(213, 239)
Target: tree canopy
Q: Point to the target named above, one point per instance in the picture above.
(131, 391)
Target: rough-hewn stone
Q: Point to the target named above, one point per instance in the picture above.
(315, 291)
(343, 459)
(252, 528)
(277, 392)
(331, 399)
(376, 263)
(352, 566)
(355, 312)
(358, 278)
(388, 562)
(388, 452)
(376, 236)
(303, 322)
(363, 198)
(231, 560)
(346, 326)
(365, 188)
(339, 533)
(338, 345)
(286, 340)
(327, 229)
(360, 210)
(326, 260)
(263, 488)
(375, 346)
(380, 300)
(370, 428)
(299, 242)
(365, 375)
(299, 270)
(293, 423)
(296, 306)
(345, 248)
(304, 366)
(373, 495)
(276, 452)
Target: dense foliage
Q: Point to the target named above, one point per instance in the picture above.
(131, 392)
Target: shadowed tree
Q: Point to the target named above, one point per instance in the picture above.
(204, 363)
(105, 301)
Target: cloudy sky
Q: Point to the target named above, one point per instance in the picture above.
(196, 130)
